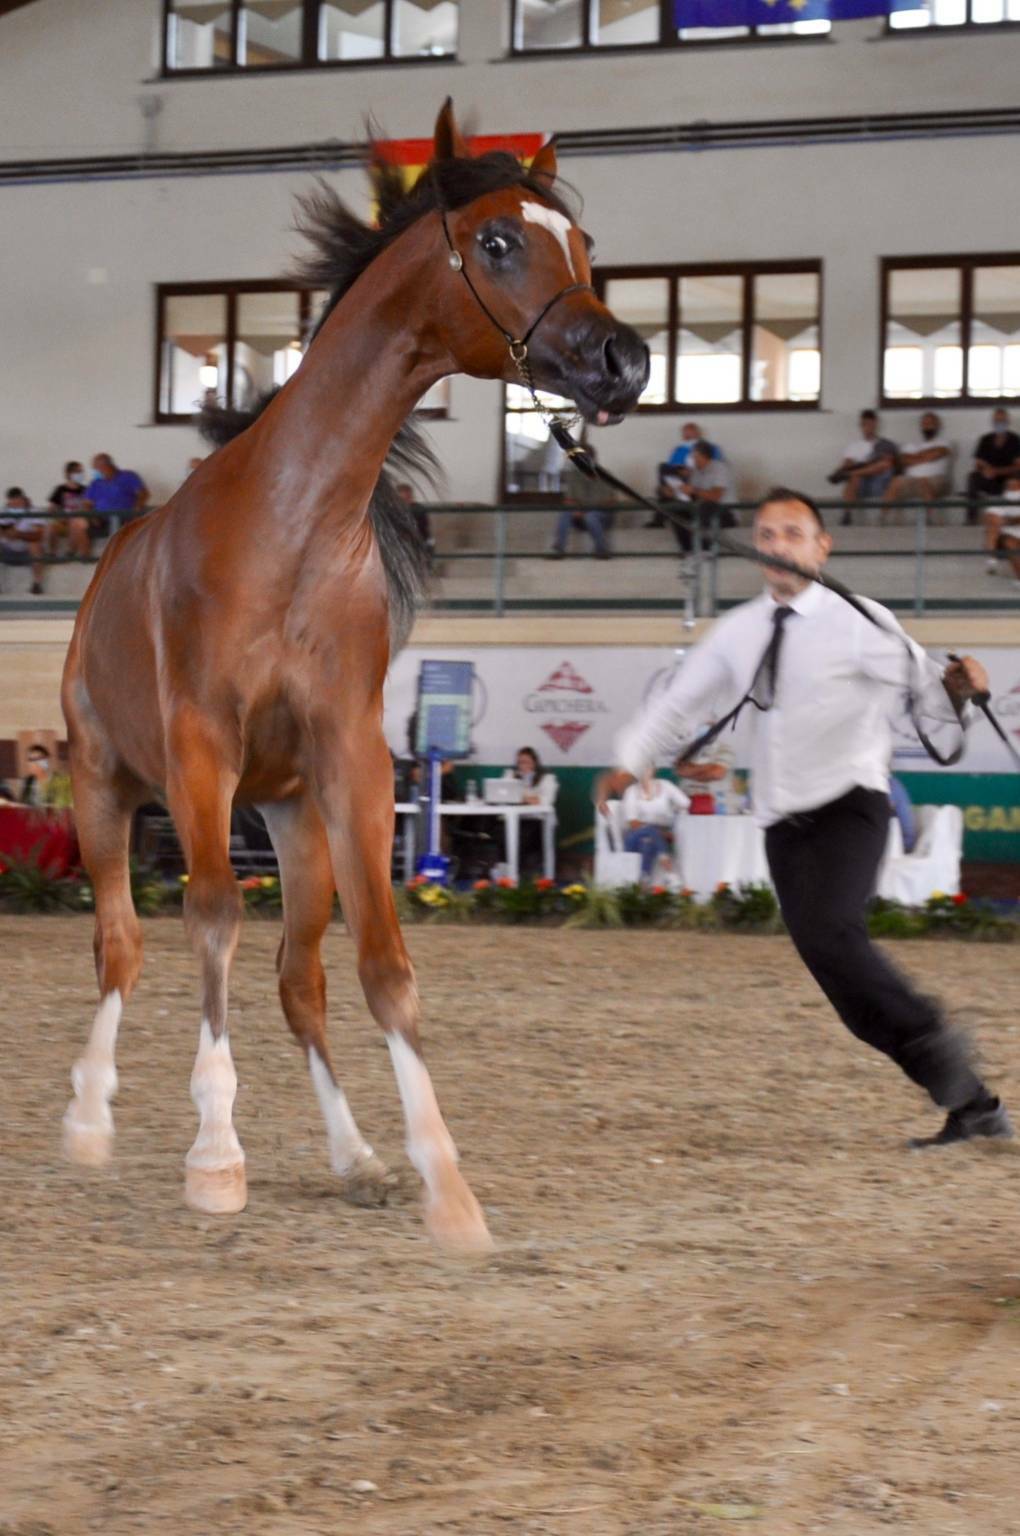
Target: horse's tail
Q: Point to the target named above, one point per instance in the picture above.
(405, 557)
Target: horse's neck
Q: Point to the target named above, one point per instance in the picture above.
(322, 442)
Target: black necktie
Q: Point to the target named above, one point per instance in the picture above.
(762, 692)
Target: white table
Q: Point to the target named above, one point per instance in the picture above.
(721, 849)
(512, 817)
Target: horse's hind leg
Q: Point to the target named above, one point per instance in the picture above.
(199, 792)
(103, 808)
(306, 877)
(357, 796)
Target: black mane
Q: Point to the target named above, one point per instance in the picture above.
(343, 246)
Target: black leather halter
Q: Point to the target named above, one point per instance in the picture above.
(516, 345)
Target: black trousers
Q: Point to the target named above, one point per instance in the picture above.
(824, 866)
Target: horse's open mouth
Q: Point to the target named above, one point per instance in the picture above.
(594, 413)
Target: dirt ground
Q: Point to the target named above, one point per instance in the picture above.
(722, 1291)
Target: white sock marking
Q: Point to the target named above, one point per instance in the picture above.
(555, 222)
(429, 1144)
(213, 1087)
(347, 1147)
(94, 1075)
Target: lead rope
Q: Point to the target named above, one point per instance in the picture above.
(590, 467)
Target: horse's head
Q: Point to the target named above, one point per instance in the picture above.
(518, 287)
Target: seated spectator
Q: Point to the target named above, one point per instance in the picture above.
(903, 810)
(868, 466)
(69, 498)
(1009, 542)
(926, 465)
(22, 539)
(999, 519)
(996, 456)
(587, 508)
(674, 473)
(708, 485)
(650, 808)
(114, 492)
(540, 788)
(34, 786)
(420, 515)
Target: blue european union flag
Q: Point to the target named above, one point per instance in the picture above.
(764, 13)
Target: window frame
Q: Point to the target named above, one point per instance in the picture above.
(747, 271)
(309, 48)
(965, 266)
(668, 39)
(233, 289)
(950, 29)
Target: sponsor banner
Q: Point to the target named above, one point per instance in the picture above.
(569, 703)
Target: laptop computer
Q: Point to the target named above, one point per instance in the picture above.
(503, 791)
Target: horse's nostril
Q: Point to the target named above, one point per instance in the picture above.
(612, 360)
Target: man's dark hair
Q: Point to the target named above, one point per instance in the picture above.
(14, 490)
(869, 415)
(704, 447)
(71, 464)
(786, 494)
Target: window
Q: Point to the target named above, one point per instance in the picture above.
(744, 336)
(232, 342)
(588, 25)
(955, 13)
(951, 328)
(209, 35)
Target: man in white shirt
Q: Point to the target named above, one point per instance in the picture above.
(867, 468)
(927, 467)
(821, 682)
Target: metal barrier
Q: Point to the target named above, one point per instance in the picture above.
(701, 594)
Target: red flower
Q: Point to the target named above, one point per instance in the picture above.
(544, 884)
(959, 899)
(658, 890)
(482, 885)
(723, 885)
(251, 883)
(505, 884)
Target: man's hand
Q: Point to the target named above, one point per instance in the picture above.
(964, 677)
(610, 786)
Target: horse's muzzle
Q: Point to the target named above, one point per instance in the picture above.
(603, 369)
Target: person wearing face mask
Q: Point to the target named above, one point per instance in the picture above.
(68, 498)
(996, 456)
(926, 466)
(1002, 529)
(33, 785)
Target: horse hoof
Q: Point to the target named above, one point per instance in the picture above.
(216, 1191)
(457, 1226)
(88, 1145)
(368, 1183)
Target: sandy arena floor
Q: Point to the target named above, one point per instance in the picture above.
(722, 1291)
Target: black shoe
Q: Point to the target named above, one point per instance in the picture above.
(846, 520)
(988, 1117)
(36, 589)
(555, 554)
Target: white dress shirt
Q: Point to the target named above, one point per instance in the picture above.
(839, 682)
(659, 809)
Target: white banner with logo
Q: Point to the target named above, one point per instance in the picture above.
(568, 703)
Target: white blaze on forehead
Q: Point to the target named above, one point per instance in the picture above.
(555, 222)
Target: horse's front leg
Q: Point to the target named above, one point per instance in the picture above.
(355, 792)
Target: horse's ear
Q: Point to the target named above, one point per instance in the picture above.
(448, 142)
(543, 167)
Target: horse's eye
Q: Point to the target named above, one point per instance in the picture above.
(496, 246)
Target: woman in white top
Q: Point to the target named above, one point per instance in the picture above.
(650, 808)
(540, 788)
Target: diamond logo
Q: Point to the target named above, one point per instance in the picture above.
(565, 733)
(566, 679)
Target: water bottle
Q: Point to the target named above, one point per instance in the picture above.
(471, 792)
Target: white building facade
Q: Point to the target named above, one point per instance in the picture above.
(749, 194)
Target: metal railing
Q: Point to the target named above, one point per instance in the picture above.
(701, 594)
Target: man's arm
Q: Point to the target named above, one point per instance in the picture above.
(673, 717)
(940, 692)
(926, 455)
(141, 495)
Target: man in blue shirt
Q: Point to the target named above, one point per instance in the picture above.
(115, 492)
(676, 471)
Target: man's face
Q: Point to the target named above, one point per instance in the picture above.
(869, 426)
(102, 466)
(691, 432)
(702, 460)
(929, 424)
(17, 503)
(1000, 421)
(790, 530)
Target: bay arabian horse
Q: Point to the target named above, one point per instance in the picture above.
(233, 645)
